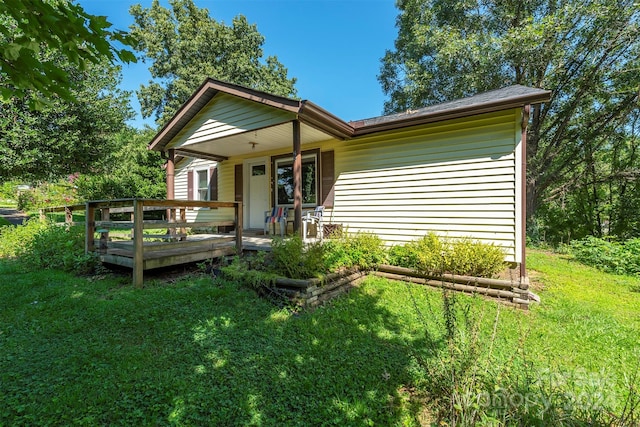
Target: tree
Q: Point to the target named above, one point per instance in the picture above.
(64, 136)
(587, 53)
(132, 171)
(185, 46)
(31, 29)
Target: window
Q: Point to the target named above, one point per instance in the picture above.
(284, 180)
(203, 184)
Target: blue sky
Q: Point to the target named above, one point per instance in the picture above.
(333, 47)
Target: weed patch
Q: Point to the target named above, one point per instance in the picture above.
(610, 256)
(42, 245)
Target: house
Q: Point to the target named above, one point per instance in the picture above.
(456, 168)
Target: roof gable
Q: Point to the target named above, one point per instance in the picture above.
(225, 115)
(203, 117)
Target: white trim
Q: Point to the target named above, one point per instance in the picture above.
(246, 173)
(518, 149)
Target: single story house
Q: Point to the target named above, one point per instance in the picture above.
(456, 168)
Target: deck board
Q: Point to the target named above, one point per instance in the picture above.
(195, 248)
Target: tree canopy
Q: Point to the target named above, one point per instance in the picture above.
(586, 52)
(64, 136)
(131, 170)
(31, 29)
(185, 45)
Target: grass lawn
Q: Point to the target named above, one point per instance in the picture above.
(8, 204)
(95, 351)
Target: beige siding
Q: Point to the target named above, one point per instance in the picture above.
(181, 191)
(455, 178)
(226, 115)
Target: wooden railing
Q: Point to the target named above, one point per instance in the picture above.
(175, 223)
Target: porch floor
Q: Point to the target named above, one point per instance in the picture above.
(195, 248)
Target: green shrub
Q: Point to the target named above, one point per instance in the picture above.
(434, 255)
(612, 257)
(293, 259)
(364, 250)
(249, 272)
(8, 190)
(474, 258)
(42, 245)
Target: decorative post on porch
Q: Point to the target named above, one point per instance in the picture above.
(297, 178)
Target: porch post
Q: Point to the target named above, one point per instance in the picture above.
(170, 174)
(171, 193)
(297, 178)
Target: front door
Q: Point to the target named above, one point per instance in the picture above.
(258, 191)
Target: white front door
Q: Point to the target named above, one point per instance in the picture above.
(258, 191)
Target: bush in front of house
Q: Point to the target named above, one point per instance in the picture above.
(43, 245)
(434, 255)
(294, 259)
(363, 250)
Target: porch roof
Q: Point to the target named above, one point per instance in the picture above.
(316, 124)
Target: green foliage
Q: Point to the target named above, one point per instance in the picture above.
(48, 194)
(249, 272)
(197, 352)
(131, 171)
(9, 191)
(31, 28)
(609, 256)
(65, 137)
(467, 382)
(294, 259)
(581, 145)
(40, 245)
(185, 45)
(363, 250)
(434, 255)
(477, 259)
(427, 254)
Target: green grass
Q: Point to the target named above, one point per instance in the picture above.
(95, 351)
(8, 204)
(4, 222)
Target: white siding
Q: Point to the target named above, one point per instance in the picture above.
(456, 178)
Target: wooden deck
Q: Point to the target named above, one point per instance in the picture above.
(172, 240)
(194, 248)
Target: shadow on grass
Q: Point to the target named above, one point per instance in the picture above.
(196, 353)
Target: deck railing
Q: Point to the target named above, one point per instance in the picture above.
(175, 223)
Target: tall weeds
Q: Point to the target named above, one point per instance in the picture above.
(466, 382)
